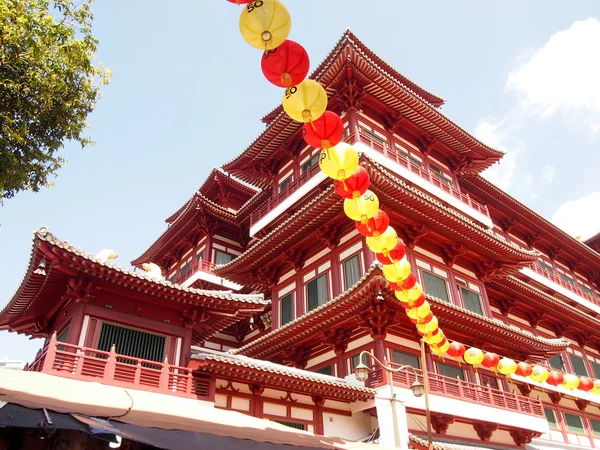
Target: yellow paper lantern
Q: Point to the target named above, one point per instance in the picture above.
(507, 366)
(384, 242)
(419, 312)
(306, 102)
(397, 273)
(361, 208)
(429, 326)
(433, 339)
(409, 295)
(440, 350)
(596, 388)
(339, 162)
(473, 356)
(265, 24)
(570, 381)
(539, 374)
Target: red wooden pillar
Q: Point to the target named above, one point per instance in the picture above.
(186, 348)
(341, 365)
(335, 273)
(319, 402)
(275, 310)
(353, 122)
(454, 288)
(209, 249)
(299, 295)
(76, 324)
(369, 255)
(257, 391)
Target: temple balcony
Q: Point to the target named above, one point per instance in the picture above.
(279, 203)
(570, 290)
(88, 364)
(387, 154)
(203, 270)
(465, 400)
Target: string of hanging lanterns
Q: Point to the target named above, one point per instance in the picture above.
(266, 24)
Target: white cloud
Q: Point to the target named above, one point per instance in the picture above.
(548, 173)
(563, 75)
(579, 217)
(501, 174)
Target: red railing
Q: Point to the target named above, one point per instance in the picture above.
(289, 190)
(462, 390)
(81, 363)
(390, 151)
(202, 265)
(573, 287)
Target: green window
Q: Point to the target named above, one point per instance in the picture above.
(295, 425)
(311, 162)
(223, 258)
(351, 271)
(327, 370)
(365, 360)
(451, 371)
(557, 362)
(472, 301)
(436, 286)
(567, 278)
(406, 359)
(317, 292)
(437, 172)
(286, 305)
(551, 418)
(578, 366)
(546, 266)
(595, 426)
(284, 184)
(130, 342)
(574, 423)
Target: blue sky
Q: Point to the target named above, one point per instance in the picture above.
(187, 95)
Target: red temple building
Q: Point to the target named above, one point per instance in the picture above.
(267, 294)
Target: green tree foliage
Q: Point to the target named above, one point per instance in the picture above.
(48, 85)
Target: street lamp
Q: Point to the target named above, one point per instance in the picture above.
(418, 389)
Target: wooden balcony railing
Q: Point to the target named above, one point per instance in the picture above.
(462, 390)
(202, 265)
(87, 364)
(280, 197)
(573, 287)
(391, 152)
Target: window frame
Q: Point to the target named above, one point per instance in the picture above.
(288, 180)
(446, 364)
(343, 265)
(394, 351)
(306, 166)
(572, 357)
(217, 251)
(292, 303)
(566, 422)
(464, 304)
(430, 272)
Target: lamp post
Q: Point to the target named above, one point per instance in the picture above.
(418, 389)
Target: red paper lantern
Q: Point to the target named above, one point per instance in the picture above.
(376, 224)
(409, 282)
(354, 186)
(325, 132)
(585, 384)
(456, 350)
(432, 333)
(240, 2)
(286, 65)
(490, 360)
(428, 318)
(415, 304)
(395, 255)
(524, 369)
(439, 344)
(395, 286)
(555, 378)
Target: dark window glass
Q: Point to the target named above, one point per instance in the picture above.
(130, 342)
(327, 370)
(412, 159)
(437, 172)
(317, 292)
(372, 135)
(200, 256)
(184, 269)
(406, 359)
(63, 336)
(585, 289)
(596, 368)
(556, 362)
(365, 360)
(296, 425)
(436, 286)
(548, 267)
(286, 309)
(551, 417)
(472, 301)
(351, 271)
(284, 184)
(566, 278)
(311, 162)
(451, 371)
(578, 366)
(489, 381)
(574, 423)
(223, 258)
(595, 426)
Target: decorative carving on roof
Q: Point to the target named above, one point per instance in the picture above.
(522, 437)
(267, 276)
(378, 317)
(574, 264)
(207, 223)
(524, 388)
(508, 223)
(241, 329)
(41, 324)
(555, 397)
(459, 164)
(426, 144)
(296, 257)
(506, 305)
(79, 288)
(318, 401)
(352, 94)
(393, 121)
(452, 252)
(485, 430)
(229, 386)
(339, 338)
(412, 233)
(532, 238)
(560, 328)
(298, 356)
(582, 404)
(441, 422)
(194, 317)
(288, 396)
(582, 338)
(294, 145)
(331, 235)
(534, 317)
(256, 389)
(554, 251)
(487, 270)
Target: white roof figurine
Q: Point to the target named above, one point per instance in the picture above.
(105, 255)
(154, 272)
